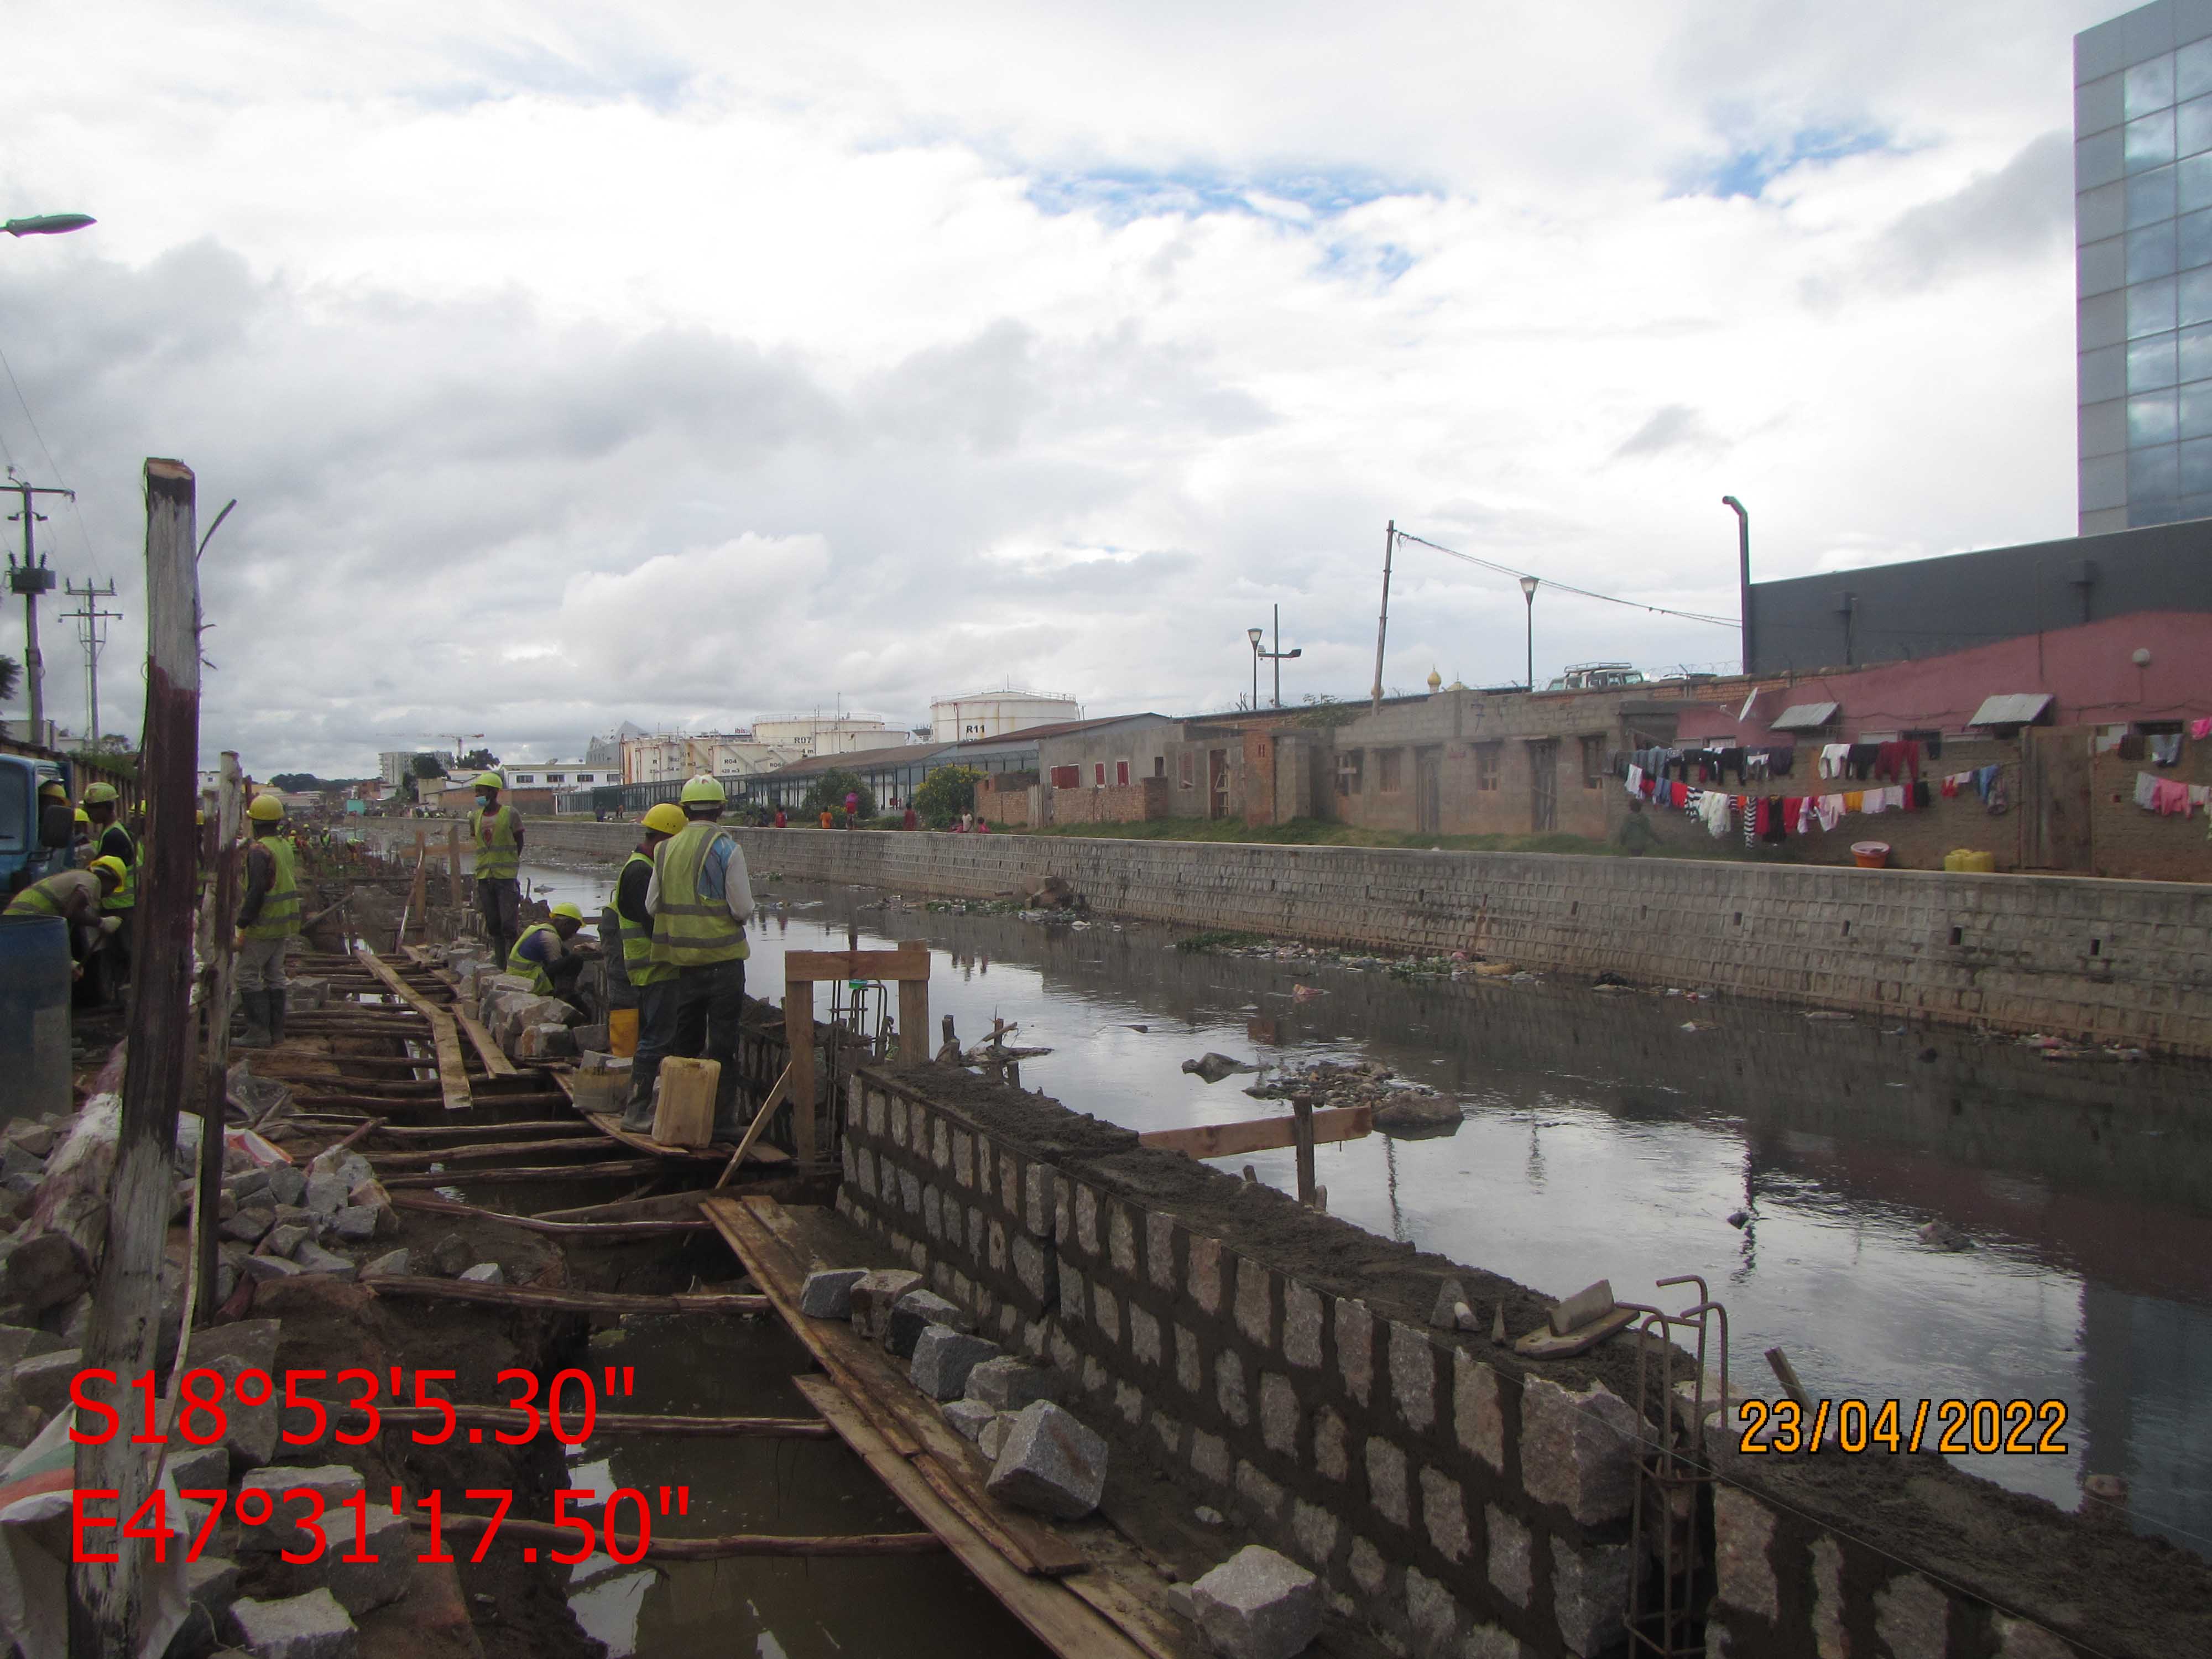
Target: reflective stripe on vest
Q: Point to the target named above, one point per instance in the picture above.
(44, 898)
(279, 916)
(124, 897)
(638, 965)
(687, 930)
(540, 982)
(499, 859)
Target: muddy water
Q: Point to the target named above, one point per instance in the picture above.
(1602, 1139)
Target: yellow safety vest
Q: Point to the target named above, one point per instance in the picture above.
(688, 932)
(499, 859)
(44, 898)
(125, 896)
(279, 916)
(540, 982)
(638, 965)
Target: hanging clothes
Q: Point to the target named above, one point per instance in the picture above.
(1780, 762)
(2147, 791)
(1833, 758)
(2165, 749)
(1713, 809)
(2172, 798)
(2201, 730)
(1985, 779)
(1860, 759)
(1830, 811)
(1635, 779)
(1854, 800)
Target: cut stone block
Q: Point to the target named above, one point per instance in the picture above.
(317, 1259)
(829, 1294)
(261, 1268)
(44, 1378)
(915, 1313)
(485, 1273)
(395, 1265)
(212, 1581)
(992, 1439)
(970, 1417)
(875, 1293)
(362, 1586)
(1049, 1462)
(333, 1482)
(355, 1223)
(199, 1468)
(287, 1185)
(20, 1342)
(1005, 1384)
(250, 1431)
(249, 1224)
(1258, 1605)
(543, 1041)
(943, 1357)
(327, 1194)
(285, 1239)
(310, 1626)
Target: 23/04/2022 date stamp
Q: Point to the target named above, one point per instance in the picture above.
(2016, 1428)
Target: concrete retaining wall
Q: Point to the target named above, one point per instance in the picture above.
(1278, 1365)
(2108, 960)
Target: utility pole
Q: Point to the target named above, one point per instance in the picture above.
(1743, 572)
(30, 579)
(1382, 623)
(93, 636)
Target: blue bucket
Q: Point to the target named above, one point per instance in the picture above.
(35, 1016)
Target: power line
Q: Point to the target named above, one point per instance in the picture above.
(1567, 587)
(77, 512)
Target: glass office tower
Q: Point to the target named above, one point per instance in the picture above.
(2142, 223)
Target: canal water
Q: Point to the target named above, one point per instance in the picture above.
(1910, 1212)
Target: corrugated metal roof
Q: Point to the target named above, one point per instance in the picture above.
(1805, 717)
(2012, 709)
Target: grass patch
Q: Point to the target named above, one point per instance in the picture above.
(1219, 939)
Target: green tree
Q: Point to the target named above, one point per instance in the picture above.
(946, 794)
(9, 671)
(830, 789)
(479, 759)
(427, 766)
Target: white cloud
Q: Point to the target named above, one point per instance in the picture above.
(691, 361)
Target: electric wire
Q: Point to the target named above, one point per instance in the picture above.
(1566, 588)
(77, 512)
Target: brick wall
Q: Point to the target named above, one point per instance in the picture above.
(2128, 961)
(1112, 803)
(1277, 1364)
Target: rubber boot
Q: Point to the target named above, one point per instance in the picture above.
(729, 1120)
(256, 1035)
(273, 1001)
(637, 1117)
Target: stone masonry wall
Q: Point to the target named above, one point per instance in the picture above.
(2109, 960)
(1463, 1503)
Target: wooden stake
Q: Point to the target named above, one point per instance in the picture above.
(218, 952)
(753, 1129)
(453, 866)
(1302, 1134)
(107, 1598)
(798, 1032)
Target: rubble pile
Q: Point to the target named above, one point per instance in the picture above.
(1453, 965)
(1401, 1105)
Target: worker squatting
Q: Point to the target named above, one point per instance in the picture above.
(680, 904)
(97, 894)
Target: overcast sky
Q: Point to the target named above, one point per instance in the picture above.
(684, 363)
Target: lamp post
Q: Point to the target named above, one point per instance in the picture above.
(1743, 572)
(1277, 656)
(1529, 592)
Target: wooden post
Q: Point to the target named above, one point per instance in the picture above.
(217, 934)
(453, 866)
(798, 1032)
(106, 1598)
(1302, 1129)
(914, 1021)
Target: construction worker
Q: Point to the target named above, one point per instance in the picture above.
(110, 840)
(542, 955)
(80, 852)
(74, 896)
(497, 831)
(268, 916)
(654, 982)
(701, 898)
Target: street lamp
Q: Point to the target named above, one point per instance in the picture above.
(1743, 572)
(1277, 656)
(48, 224)
(1529, 592)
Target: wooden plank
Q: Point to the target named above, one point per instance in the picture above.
(914, 1021)
(909, 962)
(495, 1061)
(1055, 1615)
(508, 1420)
(422, 1160)
(628, 1166)
(1123, 1586)
(754, 1129)
(534, 1296)
(959, 1471)
(608, 1124)
(431, 1203)
(798, 1035)
(453, 1070)
(1260, 1134)
(769, 1267)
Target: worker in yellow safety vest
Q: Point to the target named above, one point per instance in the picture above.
(654, 982)
(497, 832)
(701, 898)
(542, 955)
(110, 840)
(74, 896)
(268, 916)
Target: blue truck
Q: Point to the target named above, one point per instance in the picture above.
(35, 835)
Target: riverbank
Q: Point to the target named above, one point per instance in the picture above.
(2091, 960)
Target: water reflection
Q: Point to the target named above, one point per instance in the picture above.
(1602, 1140)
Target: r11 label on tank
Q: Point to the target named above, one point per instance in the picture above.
(2016, 1428)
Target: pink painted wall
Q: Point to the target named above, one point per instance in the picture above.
(2089, 669)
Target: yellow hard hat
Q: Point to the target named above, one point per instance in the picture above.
(52, 787)
(111, 866)
(96, 793)
(489, 781)
(569, 911)
(266, 808)
(83, 816)
(667, 818)
(704, 789)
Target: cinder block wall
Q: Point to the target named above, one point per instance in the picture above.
(2108, 960)
(1277, 1364)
